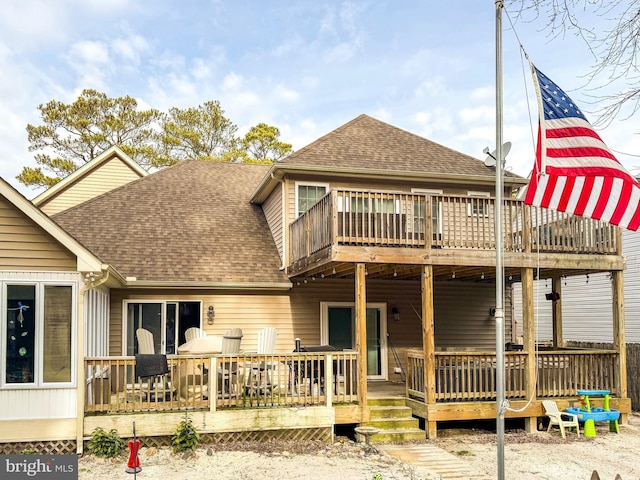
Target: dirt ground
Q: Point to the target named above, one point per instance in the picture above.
(547, 456)
(539, 455)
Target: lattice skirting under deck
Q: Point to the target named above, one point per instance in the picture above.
(49, 447)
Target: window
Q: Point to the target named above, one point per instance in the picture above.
(38, 334)
(478, 205)
(308, 194)
(419, 213)
(167, 321)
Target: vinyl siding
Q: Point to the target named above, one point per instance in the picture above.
(96, 317)
(272, 209)
(26, 246)
(111, 174)
(459, 324)
(587, 309)
(369, 185)
(28, 403)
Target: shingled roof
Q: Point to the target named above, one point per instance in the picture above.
(367, 143)
(191, 222)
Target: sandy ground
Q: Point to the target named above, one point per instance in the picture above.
(537, 456)
(547, 456)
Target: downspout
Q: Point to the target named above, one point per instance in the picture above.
(91, 280)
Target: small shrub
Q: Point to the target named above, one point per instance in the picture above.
(29, 451)
(106, 444)
(186, 437)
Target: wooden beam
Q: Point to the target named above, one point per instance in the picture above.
(428, 341)
(361, 333)
(529, 339)
(470, 257)
(619, 339)
(556, 313)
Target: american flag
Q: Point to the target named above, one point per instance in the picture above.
(574, 171)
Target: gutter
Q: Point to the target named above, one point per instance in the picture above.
(278, 172)
(132, 282)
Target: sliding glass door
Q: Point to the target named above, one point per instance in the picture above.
(167, 321)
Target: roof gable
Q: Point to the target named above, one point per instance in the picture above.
(368, 143)
(85, 260)
(109, 170)
(191, 222)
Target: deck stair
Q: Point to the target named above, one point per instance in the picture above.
(394, 420)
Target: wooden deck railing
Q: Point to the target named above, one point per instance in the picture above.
(467, 376)
(239, 381)
(411, 220)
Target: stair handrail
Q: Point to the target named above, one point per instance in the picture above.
(395, 355)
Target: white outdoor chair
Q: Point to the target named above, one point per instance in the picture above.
(261, 378)
(561, 419)
(145, 341)
(267, 340)
(194, 332)
(229, 367)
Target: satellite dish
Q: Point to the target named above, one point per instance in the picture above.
(490, 161)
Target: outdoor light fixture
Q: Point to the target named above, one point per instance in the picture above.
(396, 313)
(552, 296)
(210, 315)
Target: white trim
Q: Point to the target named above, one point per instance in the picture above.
(85, 169)
(432, 191)
(382, 308)
(299, 183)
(38, 382)
(85, 260)
(477, 194)
(163, 319)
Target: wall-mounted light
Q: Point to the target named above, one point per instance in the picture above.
(211, 314)
(395, 313)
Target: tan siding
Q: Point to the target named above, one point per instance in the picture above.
(272, 209)
(26, 246)
(462, 324)
(111, 174)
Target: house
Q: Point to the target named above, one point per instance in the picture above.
(585, 299)
(109, 170)
(373, 246)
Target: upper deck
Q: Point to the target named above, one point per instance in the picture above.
(405, 229)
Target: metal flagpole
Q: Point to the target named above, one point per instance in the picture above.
(498, 234)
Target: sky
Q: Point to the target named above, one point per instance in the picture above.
(306, 67)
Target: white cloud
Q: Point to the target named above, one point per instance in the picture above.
(87, 52)
(130, 48)
(285, 94)
(478, 114)
(434, 87)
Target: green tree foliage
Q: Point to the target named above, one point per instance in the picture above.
(262, 145)
(201, 133)
(73, 134)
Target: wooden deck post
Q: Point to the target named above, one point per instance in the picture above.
(428, 344)
(619, 340)
(529, 339)
(556, 286)
(361, 334)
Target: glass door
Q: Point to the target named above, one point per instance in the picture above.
(338, 330)
(167, 322)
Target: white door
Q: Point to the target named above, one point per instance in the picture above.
(338, 330)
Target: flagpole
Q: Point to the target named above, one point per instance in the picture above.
(498, 234)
